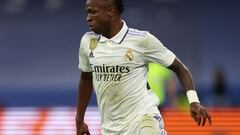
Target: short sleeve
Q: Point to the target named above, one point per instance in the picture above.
(156, 52)
(84, 64)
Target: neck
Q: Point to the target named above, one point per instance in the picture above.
(115, 27)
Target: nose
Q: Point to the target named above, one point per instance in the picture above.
(89, 18)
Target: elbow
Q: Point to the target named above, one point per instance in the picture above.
(178, 67)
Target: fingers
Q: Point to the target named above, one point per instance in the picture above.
(199, 120)
(209, 118)
(206, 116)
(194, 117)
(201, 116)
(82, 129)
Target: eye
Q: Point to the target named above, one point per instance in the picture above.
(91, 11)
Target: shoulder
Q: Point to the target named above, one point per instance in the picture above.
(137, 33)
(140, 34)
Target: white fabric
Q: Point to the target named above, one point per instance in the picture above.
(148, 124)
(192, 96)
(119, 67)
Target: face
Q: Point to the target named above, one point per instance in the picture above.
(98, 16)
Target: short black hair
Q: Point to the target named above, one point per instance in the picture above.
(120, 5)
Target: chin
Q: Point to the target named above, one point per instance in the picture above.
(97, 32)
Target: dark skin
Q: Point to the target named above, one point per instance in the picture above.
(103, 18)
(198, 112)
(84, 93)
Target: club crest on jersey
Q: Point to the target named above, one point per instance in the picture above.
(92, 46)
(129, 55)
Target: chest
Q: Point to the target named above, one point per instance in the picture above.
(109, 53)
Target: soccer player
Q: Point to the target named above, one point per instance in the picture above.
(113, 59)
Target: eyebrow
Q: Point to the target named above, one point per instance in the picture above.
(87, 7)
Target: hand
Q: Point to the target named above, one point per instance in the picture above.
(82, 128)
(200, 114)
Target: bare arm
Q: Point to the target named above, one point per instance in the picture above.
(183, 74)
(84, 95)
(198, 112)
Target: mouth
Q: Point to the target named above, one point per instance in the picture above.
(91, 27)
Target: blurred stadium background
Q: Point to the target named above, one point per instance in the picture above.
(39, 41)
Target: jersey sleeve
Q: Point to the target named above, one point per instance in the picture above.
(156, 52)
(84, 64)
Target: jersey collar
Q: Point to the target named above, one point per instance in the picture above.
(118, 38)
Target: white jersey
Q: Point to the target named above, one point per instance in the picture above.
(119, 69)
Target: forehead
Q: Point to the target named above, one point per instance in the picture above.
(93, 3)
(97, 3)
